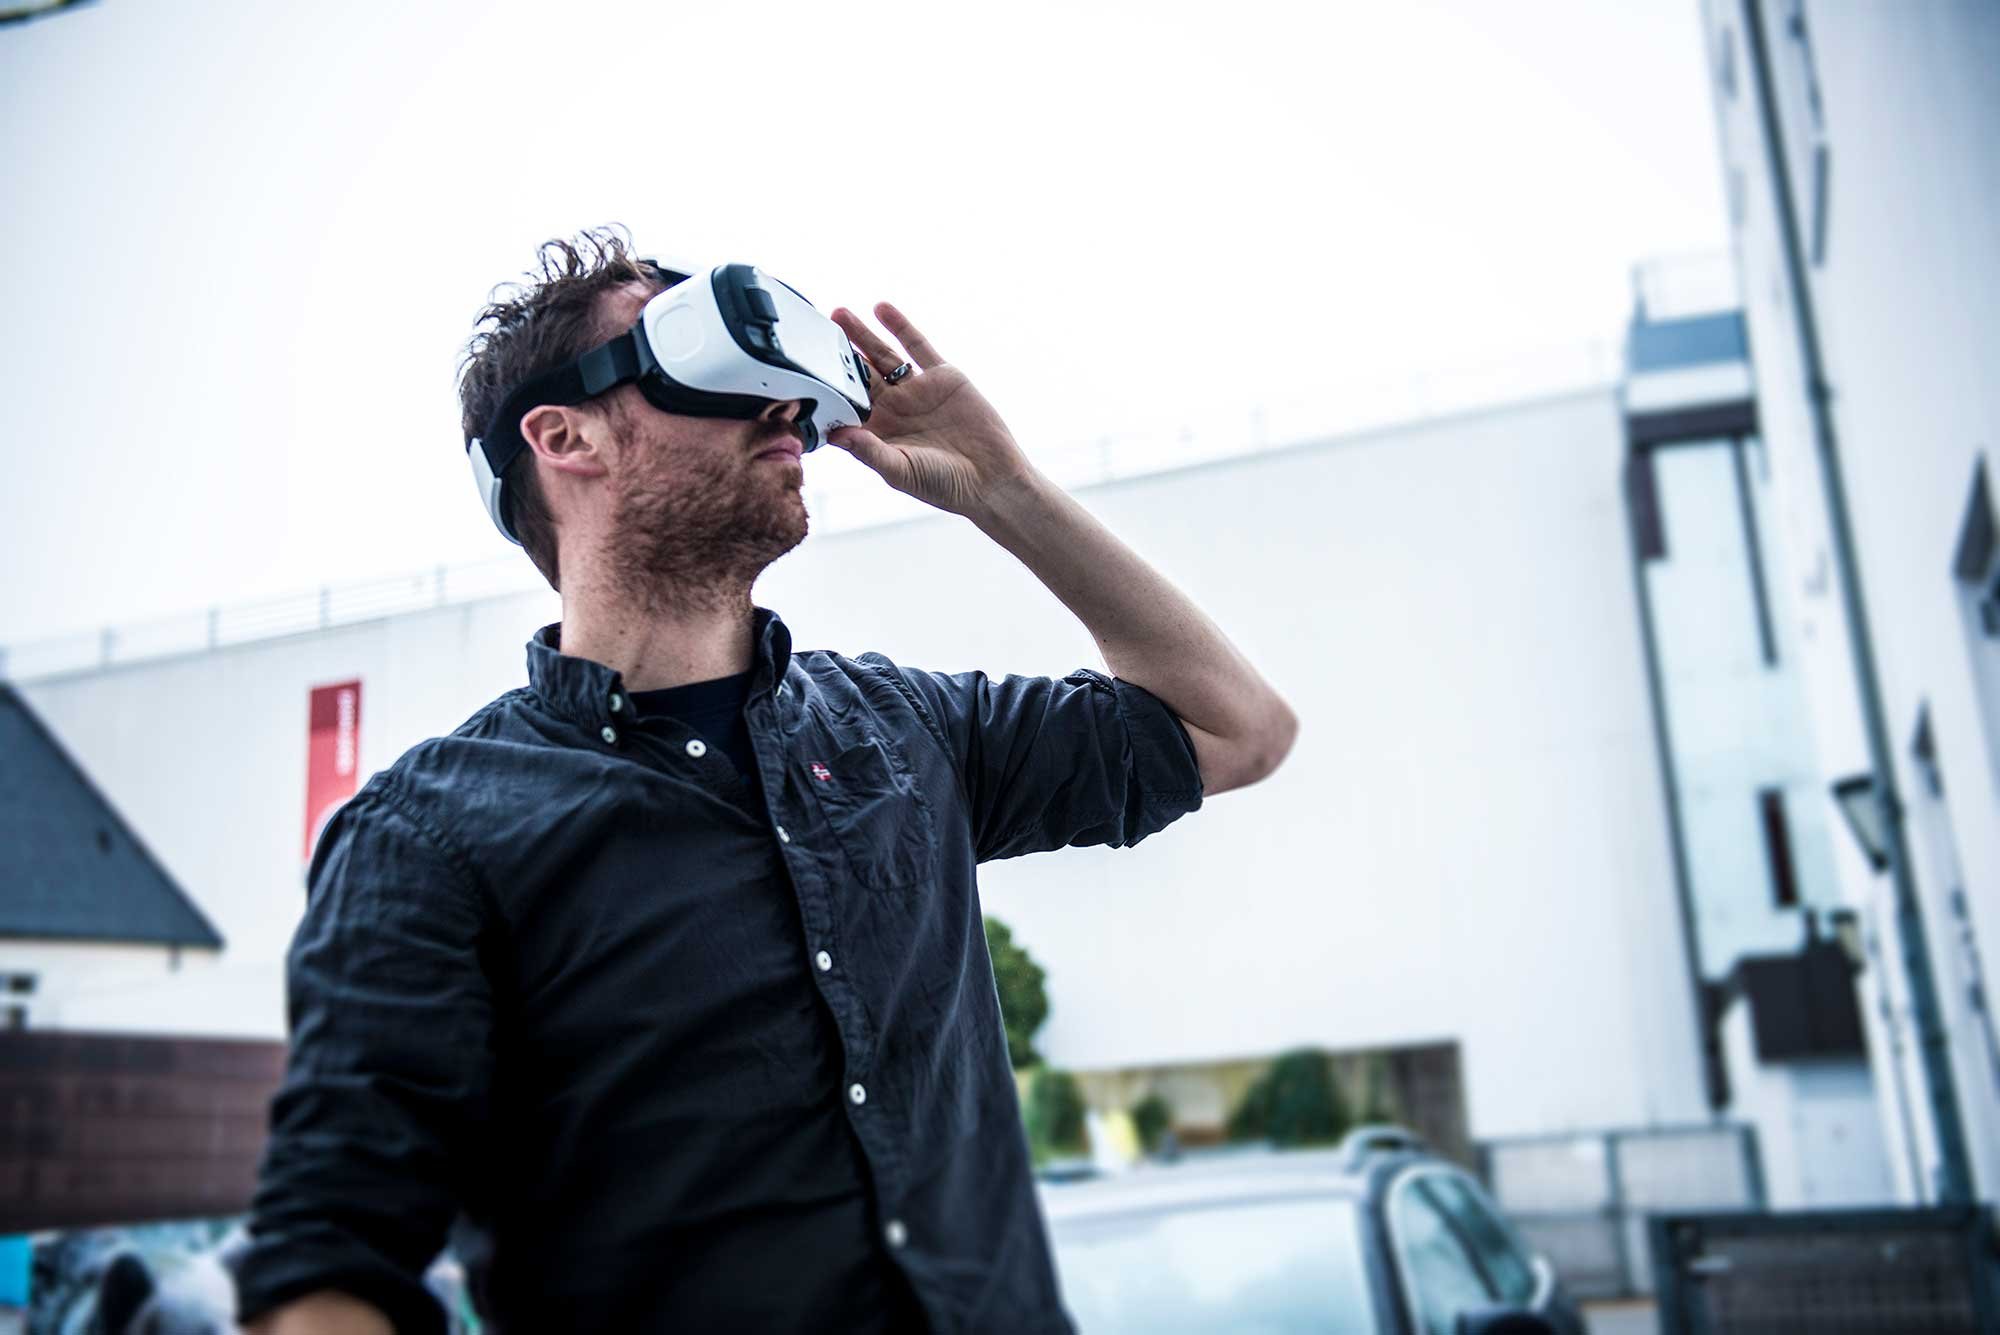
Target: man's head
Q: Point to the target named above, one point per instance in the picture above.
(671, 508)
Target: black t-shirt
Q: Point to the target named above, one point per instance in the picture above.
(713, 709)
(868, 1293)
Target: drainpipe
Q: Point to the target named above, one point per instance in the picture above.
(1954, 1178)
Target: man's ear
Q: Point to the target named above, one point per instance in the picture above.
(567, 439)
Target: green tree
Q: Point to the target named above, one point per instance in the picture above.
(1151, 1116)
(1295, 1102)
(1055, 1114)
(1024, 1000)
(1306, 1105)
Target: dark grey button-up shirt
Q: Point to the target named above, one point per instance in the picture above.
(660, 1050)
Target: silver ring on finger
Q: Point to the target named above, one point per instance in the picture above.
(900, 374)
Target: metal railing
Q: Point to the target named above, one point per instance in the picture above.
(1583, 1200)
(1339, 408)
(1675, 287)
(270, 618)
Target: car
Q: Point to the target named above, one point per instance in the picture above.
(1377, 1237)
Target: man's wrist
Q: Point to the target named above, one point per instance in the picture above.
(1007, 507)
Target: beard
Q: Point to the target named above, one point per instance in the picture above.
(698, 538)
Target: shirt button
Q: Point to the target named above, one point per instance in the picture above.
(824, 960)
(697, 748)
(783, 838)
(610, 734)
(856, 1095)
(895, 1233)
(617, 702)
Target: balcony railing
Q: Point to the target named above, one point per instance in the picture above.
(1677, 287)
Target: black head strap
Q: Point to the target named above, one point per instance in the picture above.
(604, 367)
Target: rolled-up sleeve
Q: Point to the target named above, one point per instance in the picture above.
(388, 1076)
(1048, 763)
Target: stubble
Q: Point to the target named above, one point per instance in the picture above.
(696, 536)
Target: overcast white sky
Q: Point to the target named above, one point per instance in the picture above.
(244, 242)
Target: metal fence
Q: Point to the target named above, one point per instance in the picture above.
(270, 618)
(1812, 1271)
(1582, 1200)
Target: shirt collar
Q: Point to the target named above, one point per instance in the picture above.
(584, 690)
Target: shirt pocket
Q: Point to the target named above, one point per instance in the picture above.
(870, 798)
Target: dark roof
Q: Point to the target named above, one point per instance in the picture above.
(70, 868)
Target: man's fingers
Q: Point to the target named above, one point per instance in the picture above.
(878, 352)
(870, 449)
(920, 349)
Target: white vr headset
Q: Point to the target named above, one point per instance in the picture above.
(726, 343)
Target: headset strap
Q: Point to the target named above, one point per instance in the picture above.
(604, 367)
(600, 369)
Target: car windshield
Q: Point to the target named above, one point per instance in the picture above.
(1241, 1266)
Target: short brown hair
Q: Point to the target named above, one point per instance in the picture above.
(534, 326)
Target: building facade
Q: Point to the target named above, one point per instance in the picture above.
(1864, 195)
(1783, 1043)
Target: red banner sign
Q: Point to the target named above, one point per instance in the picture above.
(333, 750)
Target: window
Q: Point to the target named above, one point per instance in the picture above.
(1439, 1276)
(1746, 504)
(1811, 110)
(1642, 492)
(1493, 1246)
(14, 1014)
(1778, 847)
(1260, 1265)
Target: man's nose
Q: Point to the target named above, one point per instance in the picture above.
(783, 410)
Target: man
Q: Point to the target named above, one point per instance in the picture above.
(664, 976)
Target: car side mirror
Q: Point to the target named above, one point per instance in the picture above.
(1504, 1321)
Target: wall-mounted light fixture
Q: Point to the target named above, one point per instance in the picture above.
(1855, 796)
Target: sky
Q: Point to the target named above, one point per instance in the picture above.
(245, 243)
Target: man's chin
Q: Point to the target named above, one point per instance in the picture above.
(793, 516)
(782, 527)
(795, 533)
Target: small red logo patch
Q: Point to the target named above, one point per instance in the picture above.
(821, 772)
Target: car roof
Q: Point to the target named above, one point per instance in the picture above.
(1211, 1179)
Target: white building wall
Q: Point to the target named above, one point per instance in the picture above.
(1819, 1134)
(205, 757)
(1737, 723)
(1468, 843)
(1907, 296)
(131, 988)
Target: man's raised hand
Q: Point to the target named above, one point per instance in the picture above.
(931, 435)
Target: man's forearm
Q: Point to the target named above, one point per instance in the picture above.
(1150, 633)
